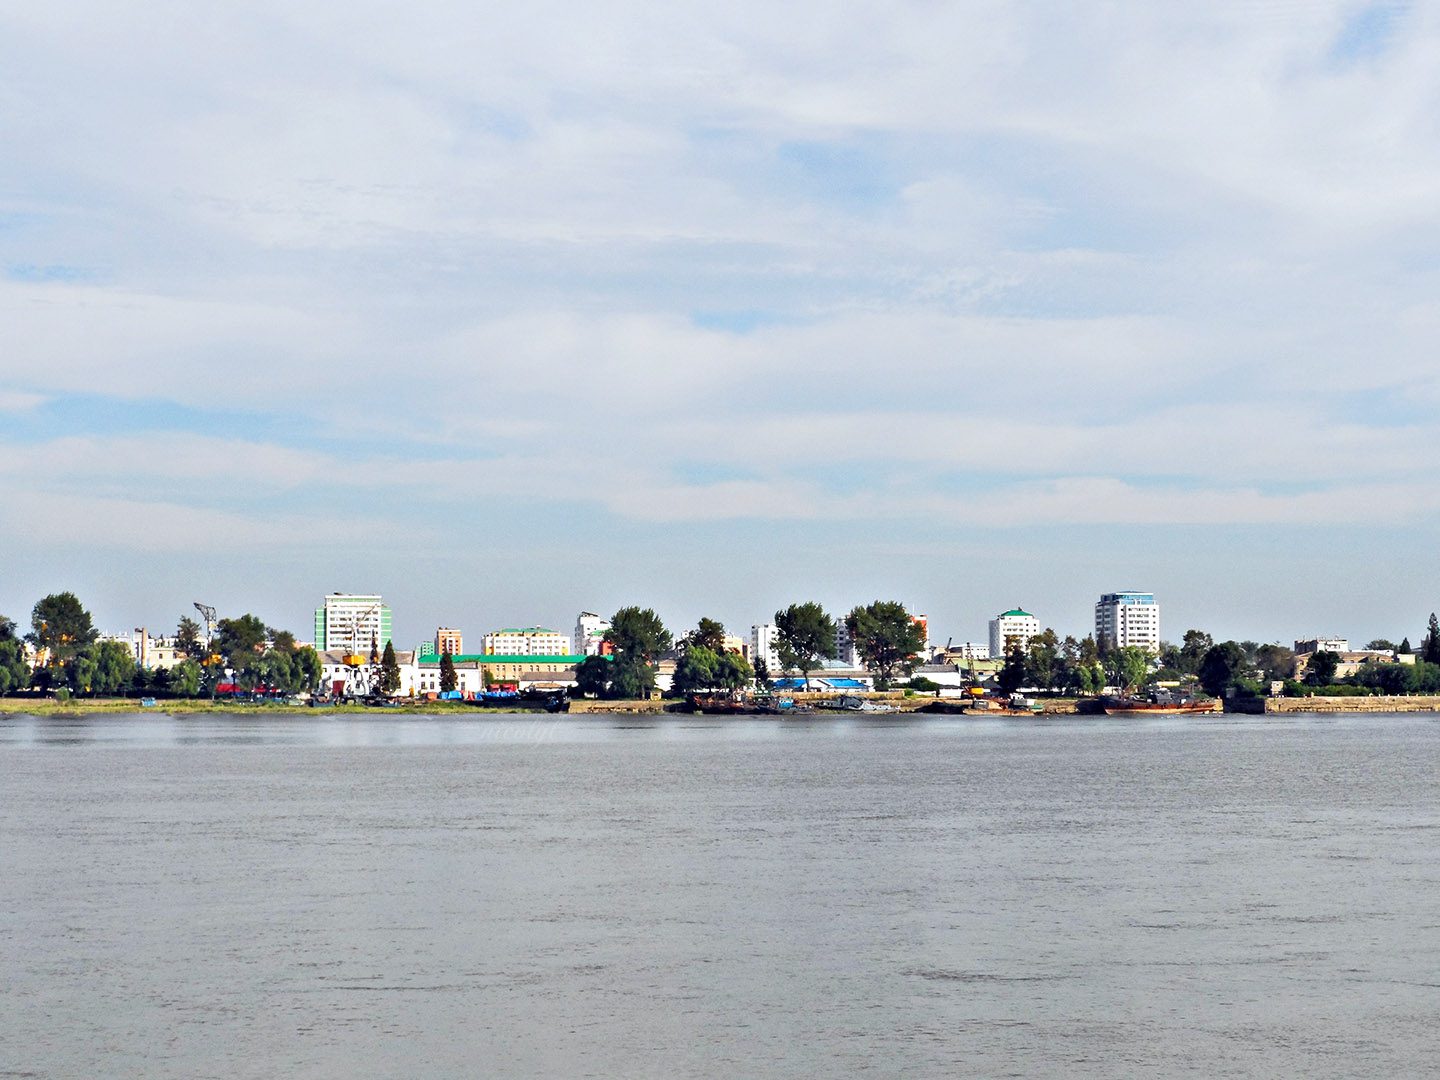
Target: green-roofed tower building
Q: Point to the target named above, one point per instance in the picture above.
(1012, 629)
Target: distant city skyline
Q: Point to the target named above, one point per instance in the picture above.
(967, 305)
(407, 632)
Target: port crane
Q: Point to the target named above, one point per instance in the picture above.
(362, 669)
(207, 612)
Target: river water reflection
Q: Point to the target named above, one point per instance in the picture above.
(324, 896)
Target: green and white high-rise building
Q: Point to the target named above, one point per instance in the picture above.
(350, 620)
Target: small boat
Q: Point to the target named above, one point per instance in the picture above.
(855, 703)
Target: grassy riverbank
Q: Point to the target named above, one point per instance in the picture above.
(181, 706)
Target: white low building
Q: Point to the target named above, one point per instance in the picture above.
(339, 679)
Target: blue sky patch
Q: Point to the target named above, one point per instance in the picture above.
(1369, 33)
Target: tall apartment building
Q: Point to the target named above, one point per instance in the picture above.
(526, 641)
(845, 651)
(1128, 619)
(1012, 629)
(589, 635)
(351, 620)
(448, 639)
(764, 637)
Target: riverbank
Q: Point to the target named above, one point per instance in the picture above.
(1395, 704)
(822, 703)
(181, 706)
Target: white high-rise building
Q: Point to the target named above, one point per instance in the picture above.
(1128, 619)
(351, 621)
(763, 641)
(589, 634)
(1012, 629)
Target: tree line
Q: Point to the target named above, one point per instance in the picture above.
(253, 655)
(1082, 667)
(887, 639)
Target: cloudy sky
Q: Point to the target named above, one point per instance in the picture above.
(509, 310)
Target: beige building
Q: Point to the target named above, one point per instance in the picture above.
(526, 641)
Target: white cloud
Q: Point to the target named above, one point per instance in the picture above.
(19, 401)
(1131, 263)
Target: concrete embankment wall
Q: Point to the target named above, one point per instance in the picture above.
(586, 705)
(1352, 704)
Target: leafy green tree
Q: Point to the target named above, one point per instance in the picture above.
(275, 670)
(79, 672)
(60, 625)
(762, 673)
(307, 667)
(637, 633)
(696, 670)
(282, 641)
(708, 634)
(241, 643)
(390, 670)
(14, 671)
(114, 668)
(700, 668)
(1430, 647)
(1381, 645)
(1320, 671)
(1405, 646)
(631, 679)
(1011, 675)
(888, 640)
(734, 671)
(188, 641)
(1127, 667)
(638, 639)
(7, 629)
(806, 635)
(1193, 648)
(448, 679)
(592, 677)
(1043, 662)
(1220, 667)
(185, 678)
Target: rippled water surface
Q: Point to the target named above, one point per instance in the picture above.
(423, 897)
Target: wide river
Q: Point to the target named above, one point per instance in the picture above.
(424, 897)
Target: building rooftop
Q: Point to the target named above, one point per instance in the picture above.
(506, 658)
(1014, 611)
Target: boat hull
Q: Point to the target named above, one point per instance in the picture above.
(1150, 709)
